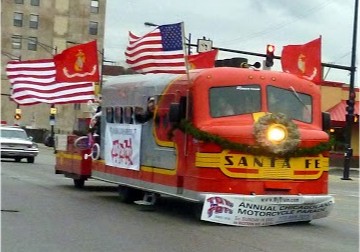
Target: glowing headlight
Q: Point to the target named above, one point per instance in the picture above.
(276, 133)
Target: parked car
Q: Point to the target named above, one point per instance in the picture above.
(16, 144)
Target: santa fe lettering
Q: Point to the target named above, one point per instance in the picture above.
(311, 163)
(243, 161)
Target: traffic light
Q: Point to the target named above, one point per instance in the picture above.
(350, 106)
(53, 112)
(269, 62)
(17, 116)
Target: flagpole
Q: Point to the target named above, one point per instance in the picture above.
(188, 77)
(185, 54)
(53, 116)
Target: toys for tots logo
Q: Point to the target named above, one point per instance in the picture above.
(219, 205)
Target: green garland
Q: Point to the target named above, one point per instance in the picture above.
(188, 128)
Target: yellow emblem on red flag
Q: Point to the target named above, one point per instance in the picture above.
(303, 60)
(78, 63)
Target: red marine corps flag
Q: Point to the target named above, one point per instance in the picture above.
(78, 63)
(202, 60)
(303, 60)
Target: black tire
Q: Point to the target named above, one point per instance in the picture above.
(197, 210)
(17, 159)
(128, 194)
(303, 222)
(30, 160)
(79, 183)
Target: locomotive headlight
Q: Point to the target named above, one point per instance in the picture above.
(276, 133)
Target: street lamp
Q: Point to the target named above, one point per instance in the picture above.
(10, 56)
(44, 46)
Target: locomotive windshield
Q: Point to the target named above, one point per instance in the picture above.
(234, 100)
(294, 105)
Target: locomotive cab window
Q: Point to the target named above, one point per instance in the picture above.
(234, 100)
(118, 114)
(109, 115)
(293, 104)
(128, 115)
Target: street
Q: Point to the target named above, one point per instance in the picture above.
(43, 212)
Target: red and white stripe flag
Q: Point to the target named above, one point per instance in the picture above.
(160, 51)
(33, 82)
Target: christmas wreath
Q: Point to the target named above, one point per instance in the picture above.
(265, 123)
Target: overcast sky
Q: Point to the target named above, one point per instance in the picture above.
(245, 25)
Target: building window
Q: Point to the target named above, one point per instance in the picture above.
(32, 43)
(34, 21)
(35, 2)
(18, 19)
(16, 42)
(93, 28)
(94, 8)
(19, 1)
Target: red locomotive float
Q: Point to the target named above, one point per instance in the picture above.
(250, 146)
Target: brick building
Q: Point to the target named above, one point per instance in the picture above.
(38, 29)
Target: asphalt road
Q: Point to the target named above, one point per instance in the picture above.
(42, 211)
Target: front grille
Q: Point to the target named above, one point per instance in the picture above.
(15, 146)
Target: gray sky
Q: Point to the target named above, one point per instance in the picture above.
(246, 25)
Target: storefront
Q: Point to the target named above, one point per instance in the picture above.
(334, 101)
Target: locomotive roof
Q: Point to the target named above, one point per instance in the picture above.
(160, 79)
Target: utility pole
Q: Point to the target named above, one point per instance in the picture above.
(351, 101)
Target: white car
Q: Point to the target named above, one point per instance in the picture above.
(16, 144)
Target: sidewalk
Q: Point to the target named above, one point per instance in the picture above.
(353, 172)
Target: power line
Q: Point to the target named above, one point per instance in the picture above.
(274, 27)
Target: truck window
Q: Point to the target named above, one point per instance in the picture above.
(234, 100)
(293, 104)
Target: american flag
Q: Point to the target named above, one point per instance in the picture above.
(33, 82)
(160, 51)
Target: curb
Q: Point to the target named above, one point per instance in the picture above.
(353, 172)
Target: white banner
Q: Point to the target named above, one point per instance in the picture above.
(122, 145)
(264, 210)
(61, 142)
